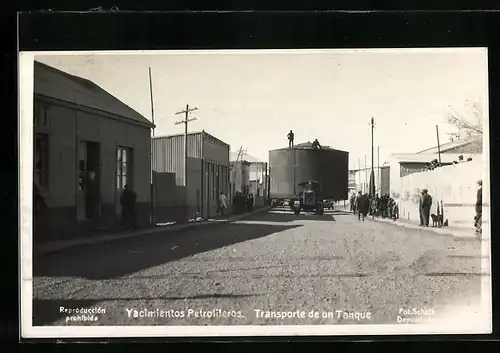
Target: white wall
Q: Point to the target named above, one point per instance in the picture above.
(454, 185)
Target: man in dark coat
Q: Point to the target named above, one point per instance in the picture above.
(479, 208)
(362, 205)
(127, 202)
(390, 206)
(290, 137)
(382, 205)
(425, 204)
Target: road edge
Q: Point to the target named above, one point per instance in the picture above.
(50, 249)
(435, 230)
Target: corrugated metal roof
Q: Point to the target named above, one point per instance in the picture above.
(53, 83)
(450, 145)
(191, 134)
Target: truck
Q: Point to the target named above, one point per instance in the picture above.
(309, 199)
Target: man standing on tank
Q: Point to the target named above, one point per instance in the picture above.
(290, 137)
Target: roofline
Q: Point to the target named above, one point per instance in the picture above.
(54, 70)
(368, 168)
(242, 162)
(309, 148)
(175, 135)
(192, 133)
(103, 113)
(420, 162)
(449, 145)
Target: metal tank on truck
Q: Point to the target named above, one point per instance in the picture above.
(290, 166)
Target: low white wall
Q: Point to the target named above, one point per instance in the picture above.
(455, 186)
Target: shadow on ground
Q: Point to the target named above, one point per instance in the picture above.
(278, 215)
(121, 257)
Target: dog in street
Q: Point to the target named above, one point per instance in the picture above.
(437, 220)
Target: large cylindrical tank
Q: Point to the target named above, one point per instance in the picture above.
(290, 166)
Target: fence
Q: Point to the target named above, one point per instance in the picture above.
(168, 199)
(454, 186)
(170, 203)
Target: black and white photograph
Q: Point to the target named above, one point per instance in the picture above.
(255, 192)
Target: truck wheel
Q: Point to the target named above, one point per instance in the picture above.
(296, 211)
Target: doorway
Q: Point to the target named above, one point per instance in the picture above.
(89, 176)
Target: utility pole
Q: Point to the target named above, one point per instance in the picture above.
(371, 183)
(372, 123)
(151, 98)
(439, 147)
(379, 170)
(185, 122)
(152, 215)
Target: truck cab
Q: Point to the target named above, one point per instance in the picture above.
(309, 199)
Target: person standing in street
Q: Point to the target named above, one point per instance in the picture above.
(290, 137)
(478, 219)
(353, 203)
(222, 203)
(374, 206)
(425, 204)
(362, 206)
(127, 201)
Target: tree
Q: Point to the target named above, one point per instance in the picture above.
(468, 127)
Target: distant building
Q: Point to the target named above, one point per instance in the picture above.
(469, 145)
(384, 180)
(239, 178)
(414, 163)
(207, 169)
(257, 172)
(87, 146)
(352, 181)
(359, 180)
(402, 165)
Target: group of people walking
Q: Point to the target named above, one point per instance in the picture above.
(373, 205)
(243, 203)
(386, 207)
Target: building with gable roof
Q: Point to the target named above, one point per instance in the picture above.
(468, 145)
(87, 146)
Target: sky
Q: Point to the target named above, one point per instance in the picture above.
(253, 98)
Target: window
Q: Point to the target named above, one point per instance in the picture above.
(124, 167)
(212, 176)
(41, 163)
